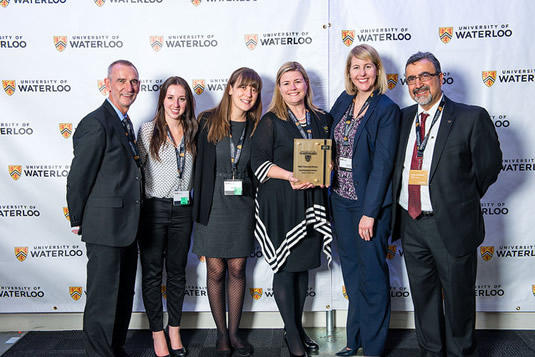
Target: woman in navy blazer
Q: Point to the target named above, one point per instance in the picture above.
(365, 137)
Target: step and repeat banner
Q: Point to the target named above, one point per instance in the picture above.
(54, 56)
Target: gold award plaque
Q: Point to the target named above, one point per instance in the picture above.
(312, 161)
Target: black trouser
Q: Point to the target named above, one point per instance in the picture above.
(111, 277)
(165, 235)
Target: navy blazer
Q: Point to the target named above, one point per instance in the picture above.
(466, 160)
(374, 150)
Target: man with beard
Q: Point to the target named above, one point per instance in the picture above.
(448, 156)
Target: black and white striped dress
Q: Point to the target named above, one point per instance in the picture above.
(292, 226)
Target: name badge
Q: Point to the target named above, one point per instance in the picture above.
(181, 198)
(418, 177)
(233, 187)
(345, 164)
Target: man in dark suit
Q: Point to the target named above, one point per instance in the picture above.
(104, 192)
(447, 158)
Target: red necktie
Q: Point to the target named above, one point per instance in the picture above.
(415, 203)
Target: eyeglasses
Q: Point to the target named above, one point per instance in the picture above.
(423, 77)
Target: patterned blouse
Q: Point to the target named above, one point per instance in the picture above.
(343, 180)
(161, 177)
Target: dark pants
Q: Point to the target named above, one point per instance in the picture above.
(365, 273)
(442, 289)
(111, 275)
(165, 236)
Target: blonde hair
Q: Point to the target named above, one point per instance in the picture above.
(278, 106)
(365, 52)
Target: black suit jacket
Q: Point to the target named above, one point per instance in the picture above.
(466, 161)
(104, 186)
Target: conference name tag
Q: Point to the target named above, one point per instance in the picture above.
(418, 177)
(345, 164)
(233, 187)
(181, 198)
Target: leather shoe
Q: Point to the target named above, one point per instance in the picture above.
(245, 351)
(310, 345)
(181, 352)
(345, 352)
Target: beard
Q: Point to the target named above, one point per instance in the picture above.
(422, 99)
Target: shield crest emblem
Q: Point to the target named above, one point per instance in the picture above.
(60, 42)
(99, 3)
(533, 289)
(445, 34)
(21, 253)
(489, 77)
(102, 87)
(198, 86)
(256, 293)
(4, 3)
(391, 252)
(75, 292)
(156, 42)
(344, 292)
(391, 80)
(251, 40)
(9, 86)
(486, 253)
(66, 213)
(196, 2)
(65, 129)
(15, 171)
(348, 36)
(163, 291)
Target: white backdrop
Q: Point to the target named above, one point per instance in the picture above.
(54, 55)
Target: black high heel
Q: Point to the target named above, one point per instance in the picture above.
(291, 354)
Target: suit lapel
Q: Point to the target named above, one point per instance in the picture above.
(364, 120)
(118, 128)
(446, 123)
(406, 126)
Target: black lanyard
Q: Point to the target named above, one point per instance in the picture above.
(235, 152)
(180, 152)
(130, 136)
(421, 144)
(349, 122)
(308, 133)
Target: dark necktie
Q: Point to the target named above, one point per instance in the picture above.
(129, 129)
(415, 202)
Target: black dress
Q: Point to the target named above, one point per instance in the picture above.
(229, 230)
(292, 226)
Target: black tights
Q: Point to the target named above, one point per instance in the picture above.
(289, 289)
(215, 280)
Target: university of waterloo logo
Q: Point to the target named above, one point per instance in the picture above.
(486, 253)
(391, 252)
(21, 253)
(445, 34)
(102, 87)
(348, 36)
(256, 293)
(60, 42)
(163, 291)
(65, 129)
(9, 86)
(99, 3)
(4, 3)
(198, 86)
(344, 292)
(15, 171)
(251, 40)
(196, 2)
(391, 80)
(156, 42)
(66, 213)
(75, 292)
(533, 289)
(489, 77)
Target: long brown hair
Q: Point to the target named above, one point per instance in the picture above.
(219, 117)
(188, 121)
(278, 106)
